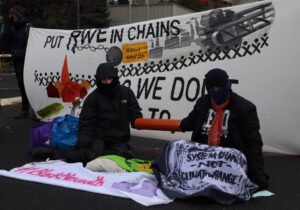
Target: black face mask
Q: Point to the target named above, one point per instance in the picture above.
(10, 20)
(109, 89)
(220, 96)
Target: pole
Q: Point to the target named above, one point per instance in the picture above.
(147, 9)
(78, 14)
(130, 2)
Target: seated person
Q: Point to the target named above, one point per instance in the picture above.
(223, 118)
(103, 123)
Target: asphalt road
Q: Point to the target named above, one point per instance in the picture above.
(8, 85)
(19, 195)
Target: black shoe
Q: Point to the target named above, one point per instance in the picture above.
(23, 115)
(42, 152)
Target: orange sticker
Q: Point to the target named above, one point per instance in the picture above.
(135, 52)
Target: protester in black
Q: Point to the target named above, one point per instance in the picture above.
(15, 34)
(223, 118)
(104, 121)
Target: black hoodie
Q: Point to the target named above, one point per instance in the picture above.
(105, 119)
(242, 131)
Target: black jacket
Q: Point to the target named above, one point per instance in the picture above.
(106, 119)
(240, 131)
(16, 35)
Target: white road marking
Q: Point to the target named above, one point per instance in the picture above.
(10, 101)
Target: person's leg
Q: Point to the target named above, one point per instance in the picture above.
(19, 70)
(68, 154)
(121, 149)
(76, 154)
(96, 149)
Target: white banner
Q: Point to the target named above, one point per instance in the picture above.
(138, 186)
(164, 61)
(189, 169)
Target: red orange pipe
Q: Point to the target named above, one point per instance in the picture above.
(157, 124)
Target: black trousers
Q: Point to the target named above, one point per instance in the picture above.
(19, 70)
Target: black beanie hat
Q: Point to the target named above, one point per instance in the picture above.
(216, 78)
(17, 12)
(106, 70)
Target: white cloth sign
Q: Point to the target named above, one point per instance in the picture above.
(138, 186)
(164, 62)
(189, 169)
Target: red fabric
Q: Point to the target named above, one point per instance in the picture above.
(52, 91)
(201, 1)
(70, 92)
(83, 92)
(65, 72)
(215, 131)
